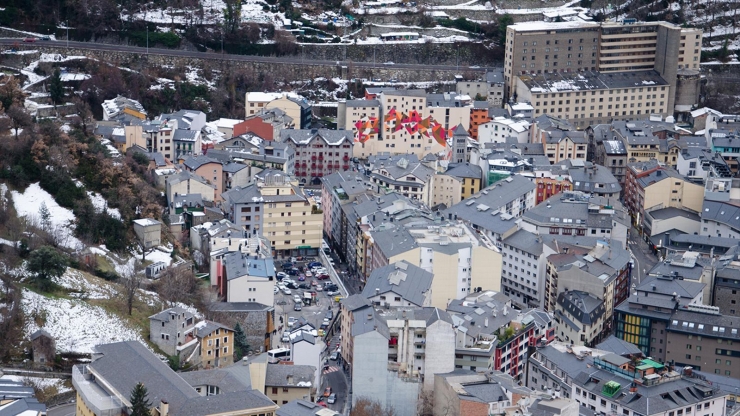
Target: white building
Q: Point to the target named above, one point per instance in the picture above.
(247, 279)
(501, 128)
(307, 349)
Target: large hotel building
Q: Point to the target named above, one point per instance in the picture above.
(597, 72)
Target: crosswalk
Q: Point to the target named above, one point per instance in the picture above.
(331, 369)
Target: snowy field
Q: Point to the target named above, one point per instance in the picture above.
(28, 203)
(101, 204)
(83, 287)
(76, 325)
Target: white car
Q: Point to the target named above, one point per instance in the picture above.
(389, 63)
(296, 299)
(287, 291)
(286, 337)
(291, 321)
(276, 290)
(288, 280)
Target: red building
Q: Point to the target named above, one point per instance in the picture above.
(319, 152)
(547, 187)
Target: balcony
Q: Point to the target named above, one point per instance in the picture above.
(345, 158)
(95, 398)
(313, 158)
(345, 167)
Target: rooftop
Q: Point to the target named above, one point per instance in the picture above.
(589, 81)
(406, 280)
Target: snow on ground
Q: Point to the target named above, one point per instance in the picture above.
(251, 11)
(32, 76)
(40, 382)
(159, 254)
(86, 286)
(27, 205)
(101, 204)
(76, 325)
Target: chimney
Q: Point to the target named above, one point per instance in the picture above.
(688, 371)
(633, 387)
(290, 379)
(369, 317)
(164, 408)
(377, 291)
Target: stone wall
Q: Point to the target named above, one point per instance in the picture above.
(418, 53)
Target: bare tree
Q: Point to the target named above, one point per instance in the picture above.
(131, 281)
(178, 284)
(368, 407)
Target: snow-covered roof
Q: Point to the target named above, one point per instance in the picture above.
(228, 123)
(522, 107)
(537, 26)
(263, 97)
(518, 126)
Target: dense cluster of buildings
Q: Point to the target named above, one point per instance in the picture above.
(490, 232)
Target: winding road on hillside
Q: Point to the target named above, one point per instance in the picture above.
(292, 59)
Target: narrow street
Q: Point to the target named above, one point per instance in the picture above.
(643, 257)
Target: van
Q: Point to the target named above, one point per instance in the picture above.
(329, 315)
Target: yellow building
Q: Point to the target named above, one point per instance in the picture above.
(291, 220)
(215, 345)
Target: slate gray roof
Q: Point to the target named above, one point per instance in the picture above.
(304, 136)
(355, 302)
(238, 264)
(464, 170)
(583, 306)
(588, 177)
(722, 212)
(304, 408)
(157, 157)
(526, 241)
(234, 167)
(23, 406)
(206, 328)
(495, 76)
(410, 282)
(124, 364)
(575, 206)
(405, 93)
(591, 80)
(166, 314)
(12, 389)
(368, 320)
(398, 172)
(238, 307)
(224, 403)
(226, 381)
(713, 326)
(473, 316)
(277, 375)
(393, 241)
(251, 194)
(672, 212)
(362, 103)
(184, 176)
(618, 346)
(494, 197)
(657, 176)
(659, 398)
(195, 162)
(686, 289)
(39, 333)
(185, 135)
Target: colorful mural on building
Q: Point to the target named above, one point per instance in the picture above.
(414, 123)
(367, 128)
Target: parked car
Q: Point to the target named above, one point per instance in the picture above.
(29, 39)
(322, 276)
(287, 280)
(281, 275)
(301, 278)
(45, 37)
(332, 292)
(314, 283)
(319, 289)
(304, 286)
(314, 264)
(286, 337)
(292, 285)
(297, 306)
(332, 398)
(329, 315)
(276, 290)
(297, 299)
(308, 273)
(287, 291)
(334, 356)
(291, 321)
(287, 265)
(293, 272)
(327, 391)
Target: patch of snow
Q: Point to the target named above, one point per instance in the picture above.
(76, 325)
(74, 280)
(40, 382)
(101, 204)
(27, 205)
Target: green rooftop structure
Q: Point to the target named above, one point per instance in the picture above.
(611, 388)
(647, 364)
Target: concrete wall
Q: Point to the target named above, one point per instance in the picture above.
(440, 352)
(369, 374)
(305, 353)
(251, 289)
(486, 269)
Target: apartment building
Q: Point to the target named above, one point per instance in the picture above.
(419, 138)
(643, 318)
(319, 152)
(337, 190)
(727, 283)
(410, 178)
(450, 110)
(246, 278)
(537, 48)
(278, 209)
(580, 214)
(499, 129)
(492, 335)
(727, 143)
(399, 284)
(580, 318)
(392, 354)
(490, 88)
(469, 393)
(458, 258)
(267, 123)
(295, 106)
(167, 329)
(479, 114)
(363, 119)
(494, 209)
(613, 155)
(649, 139)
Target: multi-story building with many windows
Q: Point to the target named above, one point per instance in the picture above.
(319, 152)
(277, 208)
(554, 64)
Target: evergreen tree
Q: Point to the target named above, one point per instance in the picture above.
(140, 404)
(45, 216)
(240, 342)
(46, 263)
(56, 89)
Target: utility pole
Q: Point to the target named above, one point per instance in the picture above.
(67, 26)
